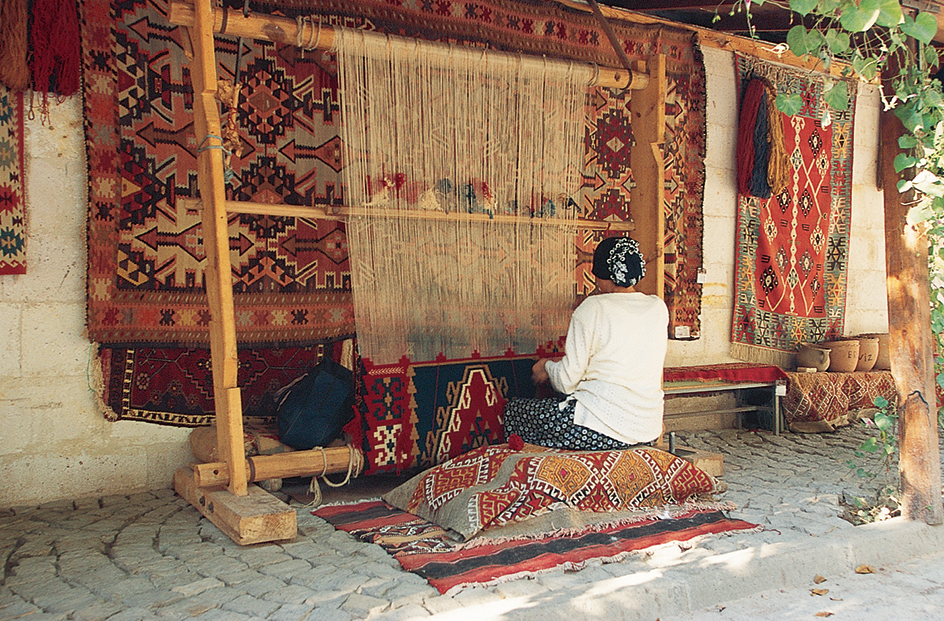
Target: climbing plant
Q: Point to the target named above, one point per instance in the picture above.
(865, 36)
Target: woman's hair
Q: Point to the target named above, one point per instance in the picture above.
(618, 259)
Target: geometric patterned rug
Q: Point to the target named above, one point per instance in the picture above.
(792, 248)
(12, 184)
(174, 386)
(423, 548)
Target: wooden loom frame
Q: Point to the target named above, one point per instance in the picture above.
(222, 491)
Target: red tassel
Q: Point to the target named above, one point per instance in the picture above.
(54, 39)
(515, 442)
(14, 25)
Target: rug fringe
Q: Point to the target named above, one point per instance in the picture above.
(670, 512)
(96, 382)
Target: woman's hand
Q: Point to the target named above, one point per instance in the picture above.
(538, 372)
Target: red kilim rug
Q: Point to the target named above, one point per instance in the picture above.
(291, 275)
(174, 386)
(12, 184)
(423, 548)
(792, 249)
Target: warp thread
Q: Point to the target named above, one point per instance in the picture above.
(14, 45)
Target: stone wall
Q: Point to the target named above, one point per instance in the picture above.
(55, 443)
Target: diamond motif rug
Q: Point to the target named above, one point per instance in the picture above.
(792, 249)
(174, 386)
(423, 548)
(12, 184)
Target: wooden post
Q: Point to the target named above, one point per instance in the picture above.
(219, 279)
(647, 161)
(909, 318)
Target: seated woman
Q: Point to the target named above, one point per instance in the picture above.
(611, 372)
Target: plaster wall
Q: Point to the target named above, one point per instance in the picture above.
(54, 441)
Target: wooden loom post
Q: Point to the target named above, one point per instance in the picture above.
(909, 325)
(647, 161)
(210, 177)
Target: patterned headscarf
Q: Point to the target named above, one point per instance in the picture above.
(618, 259)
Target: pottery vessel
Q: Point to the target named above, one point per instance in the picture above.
(882, 359)
(813, 355)
(868, 352)
(843, 355)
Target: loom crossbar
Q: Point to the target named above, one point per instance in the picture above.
(285, 30)
(343, 213)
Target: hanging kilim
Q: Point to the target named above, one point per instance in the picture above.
(291, 275)
(12, 186)
(174, 386)
(792, 248)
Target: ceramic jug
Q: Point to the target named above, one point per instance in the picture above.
(810, 355)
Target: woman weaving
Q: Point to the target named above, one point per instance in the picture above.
(611, 372)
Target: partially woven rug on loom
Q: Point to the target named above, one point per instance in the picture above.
(414, 415)
(792, 248)
(423, 548)
(291, 275)
(12, 184)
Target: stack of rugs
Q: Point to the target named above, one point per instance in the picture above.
(505, 511)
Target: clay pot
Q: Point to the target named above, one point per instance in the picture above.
(882, 359)
(813, 355)
(868, 352)
(843, 355)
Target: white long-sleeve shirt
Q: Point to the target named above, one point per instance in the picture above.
(612, 365)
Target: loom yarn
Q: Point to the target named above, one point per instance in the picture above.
(762, 165)
(750, 103)
(14, 25)
(778, 168)
(54, 40)
(759, 186)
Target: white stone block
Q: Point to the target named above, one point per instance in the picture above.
(54, 341)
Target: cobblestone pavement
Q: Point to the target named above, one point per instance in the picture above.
(153, 556)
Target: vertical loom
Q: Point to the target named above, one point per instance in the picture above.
(223, 491)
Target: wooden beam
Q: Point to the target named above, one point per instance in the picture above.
(285, 30)
(255, 517)
(219, 280)
(343, 213)
(910, 343)
(333, 460)
(646, 159)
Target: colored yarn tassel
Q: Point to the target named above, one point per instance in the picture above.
(747, 123)
(54, 39)
(14, 28)
(758, 185)
(778, 168)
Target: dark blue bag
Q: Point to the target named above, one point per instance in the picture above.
(313, 409)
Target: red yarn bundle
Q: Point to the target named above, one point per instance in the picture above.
(54, 39)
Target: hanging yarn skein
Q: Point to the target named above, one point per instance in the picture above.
(54, 40)
(753, 141)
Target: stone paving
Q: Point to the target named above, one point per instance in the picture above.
(151, 556)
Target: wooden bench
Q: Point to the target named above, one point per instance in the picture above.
(755, 388)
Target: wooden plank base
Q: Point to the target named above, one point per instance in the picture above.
(712, 463)
(256, 517)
